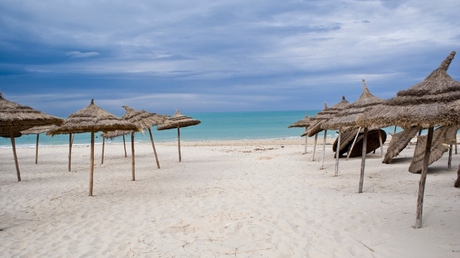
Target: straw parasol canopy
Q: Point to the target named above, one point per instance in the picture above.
(325, 115)
(177, 121)
(398, 142)
(347, 118)
(92, 119)
(144, 120)
(426, 105)
(15, 118)
(302, 123)
(320, 118)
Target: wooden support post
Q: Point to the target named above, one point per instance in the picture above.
(314, 148)
(70, 150)
(178, 143)
(421, 186)
(337, 154)
(324, 150)
(103, 148)
(91, 170)
(133, 160)
(449, 160)
(36, 148)
(13, 144)
(124, 145)
(353, 144)
(363, 161)
(154, 150)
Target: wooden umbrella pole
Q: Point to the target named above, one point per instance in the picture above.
(178, 143)
(91, 170)
(353, 144)
(70, 150)
(13, 144)
(133, 160)
(306, 143)
(337, 154)
(363, 161)
(421, 186)
(154, 149)
(124, 146)
(103, 147)
(449, 161)
(324, 150)
(314, 147)
(36, 148)
(381, 144)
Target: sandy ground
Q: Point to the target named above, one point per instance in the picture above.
(262, 198)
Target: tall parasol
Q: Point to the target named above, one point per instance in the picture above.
(15, 118)
(348, 117)
(144, 120)
(324, 116)
(92, 119)
(177, 121)
(426, 105)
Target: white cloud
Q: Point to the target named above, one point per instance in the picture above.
(78, 54)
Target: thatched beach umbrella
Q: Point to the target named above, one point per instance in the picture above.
(426, 105)
(144, 120)
(302, 123)
(348, 117)
(321, 118)
(177, 121)
(92, 119)
(112, 135)
(310, 128)
(37, 130)
(15, 118)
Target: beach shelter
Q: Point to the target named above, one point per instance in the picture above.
(37, 130)
(144, 120)
(347, 118)
(426, 105)
(112, 135)
(312, 126)
(302, 123)
(177, 121)
(92, 119)
(15, 118)
(324, 116)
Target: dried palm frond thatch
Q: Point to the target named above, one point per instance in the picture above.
(15, 118)
(398, 142)
(92, 119)
(426, 105)
(442, 137)
(177, 121)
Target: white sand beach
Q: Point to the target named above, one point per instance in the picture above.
(261, 198)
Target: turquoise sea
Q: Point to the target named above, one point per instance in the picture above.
(213, 126)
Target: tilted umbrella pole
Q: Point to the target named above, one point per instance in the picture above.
(154, 149)
(13, 144)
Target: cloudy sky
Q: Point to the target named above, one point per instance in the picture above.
(218, 55)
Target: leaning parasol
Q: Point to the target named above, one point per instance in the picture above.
(426, 105)
(321, 118)
(92, 119)
(15, 118)
(144, 120)
(177, 121)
